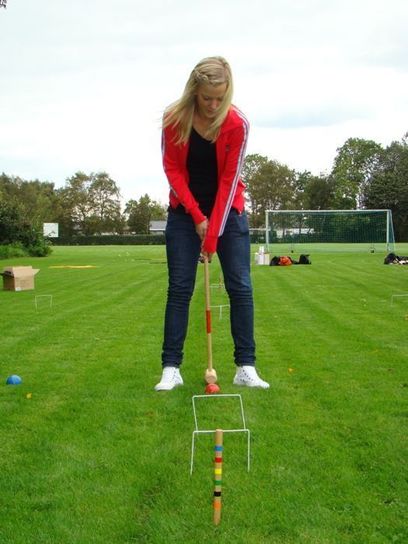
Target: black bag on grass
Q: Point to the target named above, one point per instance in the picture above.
(391, 258)
(285, 260)
(304, 259)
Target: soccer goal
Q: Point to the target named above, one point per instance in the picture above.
(329, 230)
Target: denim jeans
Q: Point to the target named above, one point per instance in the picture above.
(183, 251)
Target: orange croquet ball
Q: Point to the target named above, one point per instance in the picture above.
(212, 388)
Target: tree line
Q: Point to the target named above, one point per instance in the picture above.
(87, 204)
(364, 175)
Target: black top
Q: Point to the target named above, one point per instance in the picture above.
(203, 172)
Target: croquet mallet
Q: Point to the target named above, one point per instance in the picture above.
(210, 374)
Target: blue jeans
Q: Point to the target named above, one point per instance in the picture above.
(183, 251)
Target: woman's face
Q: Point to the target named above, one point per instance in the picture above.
(209, 99)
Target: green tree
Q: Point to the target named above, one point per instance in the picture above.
(104, 196)
(353, 167)
(76, 203)
(270, 186)
(15, 228)
(253, 164)
(388, 187)
(141, 212)
(90, 204)
(11, 222)
(314, 192)
(38, 200)
(9, 188)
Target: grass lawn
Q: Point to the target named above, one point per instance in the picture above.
(90, 453)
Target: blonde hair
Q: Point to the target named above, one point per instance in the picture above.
(209, 71)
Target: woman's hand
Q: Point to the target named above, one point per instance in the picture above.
(201, 229)
(206, 255)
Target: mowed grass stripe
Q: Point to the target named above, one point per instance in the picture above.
(97, 456)
(74, 411)
(327, 348)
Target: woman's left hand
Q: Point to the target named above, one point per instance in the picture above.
(207, 255)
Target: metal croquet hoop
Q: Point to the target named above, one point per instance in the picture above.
(197, 430)
(47, 299)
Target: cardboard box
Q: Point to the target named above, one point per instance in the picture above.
(19, 278)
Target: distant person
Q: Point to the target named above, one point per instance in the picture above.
(203, 142)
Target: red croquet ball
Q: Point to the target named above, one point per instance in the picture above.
(212, 388)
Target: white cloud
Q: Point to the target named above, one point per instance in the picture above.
(83, 83)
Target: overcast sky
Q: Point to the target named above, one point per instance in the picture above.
(83, 83)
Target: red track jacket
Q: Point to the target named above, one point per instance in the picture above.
(230, 151)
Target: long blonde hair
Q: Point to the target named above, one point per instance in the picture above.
(209, 71)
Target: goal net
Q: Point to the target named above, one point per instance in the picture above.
(330, 230)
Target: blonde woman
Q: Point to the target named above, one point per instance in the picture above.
(204, 139)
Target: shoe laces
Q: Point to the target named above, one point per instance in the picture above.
(250, 373)
(169, 374)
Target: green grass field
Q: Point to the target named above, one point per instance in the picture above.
(97, 456)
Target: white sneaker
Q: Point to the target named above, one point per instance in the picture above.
(247, 375)
(170, 379)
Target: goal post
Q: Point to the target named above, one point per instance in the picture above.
(330, 230)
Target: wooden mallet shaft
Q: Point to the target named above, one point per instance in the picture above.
(210, 374)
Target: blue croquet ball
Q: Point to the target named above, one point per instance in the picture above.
(13, 380)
